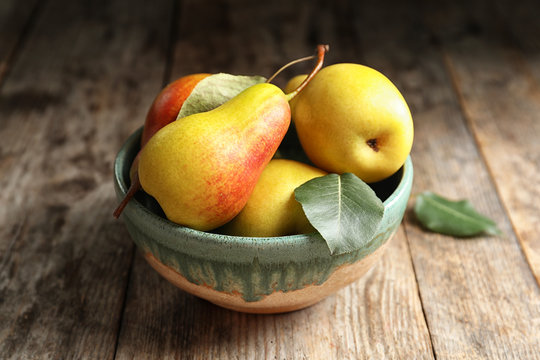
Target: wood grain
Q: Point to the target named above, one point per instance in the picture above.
(360, 321)
(511, 148)
(472, 307)
(81, 83)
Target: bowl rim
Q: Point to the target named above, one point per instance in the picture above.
(261, 243)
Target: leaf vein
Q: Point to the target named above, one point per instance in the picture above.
(456, 213)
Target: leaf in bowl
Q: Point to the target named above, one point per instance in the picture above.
(215, 90)
(343, 209)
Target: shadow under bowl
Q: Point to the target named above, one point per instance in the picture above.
(249, 274)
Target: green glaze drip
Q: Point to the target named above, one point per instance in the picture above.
(254, 281)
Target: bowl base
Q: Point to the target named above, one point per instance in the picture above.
(276, 302)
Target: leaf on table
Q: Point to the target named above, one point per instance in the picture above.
(343, 209)
(456, 218)
(215, 90)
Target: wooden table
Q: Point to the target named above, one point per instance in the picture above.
(76, 80)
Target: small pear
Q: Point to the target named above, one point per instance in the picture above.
(351, 118)
(272, 209)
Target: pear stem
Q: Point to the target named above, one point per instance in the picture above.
(133, 188)
(288, 65)
(321, 50)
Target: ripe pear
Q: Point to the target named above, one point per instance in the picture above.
(167, 104)
(202, 168)
(272, 209)
(351, 118)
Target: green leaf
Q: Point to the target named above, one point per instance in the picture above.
(343, 209)
(215, 90)
(456, 218)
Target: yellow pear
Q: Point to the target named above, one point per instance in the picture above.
(352, 118)
(272, 209)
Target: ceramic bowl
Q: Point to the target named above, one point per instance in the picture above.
(255, 275)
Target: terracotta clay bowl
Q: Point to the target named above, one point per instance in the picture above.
(255, 275)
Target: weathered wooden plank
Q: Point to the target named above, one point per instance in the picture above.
(15, 21)
(478, 295)
(377, 317)
(81, 84)
(497, 74)
(501, 103)
(522, 171)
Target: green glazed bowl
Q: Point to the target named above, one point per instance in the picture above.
(256, 275)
